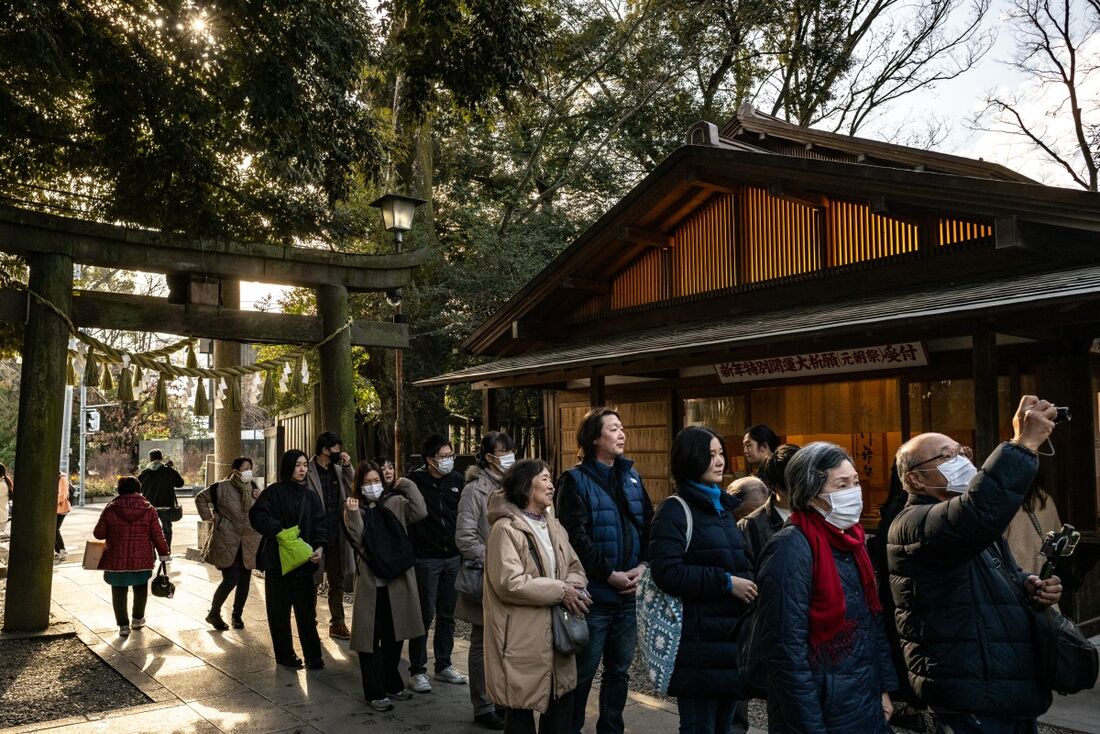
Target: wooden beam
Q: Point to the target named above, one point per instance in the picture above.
(587, 285)
(106, 245)
(646, 237)
(987, 423)
(597, 390)
(95, 310)
(785, 191)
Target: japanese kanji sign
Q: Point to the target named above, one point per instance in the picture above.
(840, 361)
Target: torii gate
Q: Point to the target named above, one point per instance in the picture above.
(204, 301)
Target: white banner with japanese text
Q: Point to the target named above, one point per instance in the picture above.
(835, 362)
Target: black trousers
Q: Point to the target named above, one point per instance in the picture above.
(556, 720)
(284, 593)
(166, 526)
(118, 601)
(58, 541)
(381, 675)
(234, 577)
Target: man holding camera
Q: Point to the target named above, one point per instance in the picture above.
(963, 625)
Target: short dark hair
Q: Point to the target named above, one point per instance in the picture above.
(287, 463)
(155, 455)
(690, 456)
(517, 480)
(432, 445)
(327, 440)
(128, 485)
(240, 461)
(365, 467)
(588, 432)
(773, 468)
(763, 435)
(492, 442)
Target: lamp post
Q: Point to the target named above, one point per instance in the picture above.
(397, 217)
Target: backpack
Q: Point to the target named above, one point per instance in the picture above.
(660, 621)
(387, 548)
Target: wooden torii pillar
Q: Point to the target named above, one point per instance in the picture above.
(51, 245)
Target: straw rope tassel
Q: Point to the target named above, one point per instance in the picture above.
(70, 374)
(234, 384)
(125, 386)
(91, 369)
(269, 394)
(160, 402)
(202, 405)
(106, 383)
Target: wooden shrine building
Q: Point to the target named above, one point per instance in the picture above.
(831, 287)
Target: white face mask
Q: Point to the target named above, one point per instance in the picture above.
(445, 466)
(506, 461)
(958, 472)
(372, 491)
(847, 506)
(246, 475)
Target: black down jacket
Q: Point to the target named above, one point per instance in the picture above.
(706, 663)
(964, 630)
(841, 697)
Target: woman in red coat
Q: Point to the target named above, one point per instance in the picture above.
(131, 527)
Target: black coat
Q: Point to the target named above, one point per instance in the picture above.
(761, 524)
(964, 630)
(839, 696)
(434, 536)
(158, 486)
(280, 507)
(706, 663)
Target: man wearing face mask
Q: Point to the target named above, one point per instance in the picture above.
(964, 629)
(437, 563)
(332, 476)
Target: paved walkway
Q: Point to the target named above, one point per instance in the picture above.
(203, 681)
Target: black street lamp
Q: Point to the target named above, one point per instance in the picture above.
(397, 217)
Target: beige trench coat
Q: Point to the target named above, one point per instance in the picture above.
(521, 664)
(1025, 542)
(408, 506)
(232, 530)
(472, 532)
(347, 478)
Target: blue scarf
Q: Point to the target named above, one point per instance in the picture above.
(712, 491)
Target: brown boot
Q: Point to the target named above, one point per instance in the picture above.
(339, 630)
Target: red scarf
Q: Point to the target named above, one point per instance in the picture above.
(830, 630)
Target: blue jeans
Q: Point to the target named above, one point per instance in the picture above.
(705, 715)
(982, 724)
(611, 633)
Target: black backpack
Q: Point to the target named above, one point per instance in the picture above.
(387, 548)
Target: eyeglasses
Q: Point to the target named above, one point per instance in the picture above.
(948, 455)
(444, 456)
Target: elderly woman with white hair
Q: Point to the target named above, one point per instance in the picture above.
(828, 661)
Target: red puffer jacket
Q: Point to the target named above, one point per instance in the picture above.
(131, 528)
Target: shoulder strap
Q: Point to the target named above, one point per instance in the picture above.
(534, 553)
(687, 516)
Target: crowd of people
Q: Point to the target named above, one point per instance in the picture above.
(934, 616)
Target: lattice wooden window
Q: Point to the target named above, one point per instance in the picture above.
(855, 234)
(954, 231)
(642, 281)
(780, 238)
(703, 256)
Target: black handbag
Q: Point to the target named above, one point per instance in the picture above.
(569, 631)
(1065, 661)
(162, 587)
(175, 514)
(471, 579)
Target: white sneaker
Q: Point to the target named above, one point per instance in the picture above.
(137, 623)
(124, 631)
(420, 683)
(62, 554)
(450, 675)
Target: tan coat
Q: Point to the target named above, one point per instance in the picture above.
(407, 504)
(232, 530)
(347, 478)
(472, 532)
(521, 664)
(1024, 541)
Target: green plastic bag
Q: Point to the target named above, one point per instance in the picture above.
(293, 551)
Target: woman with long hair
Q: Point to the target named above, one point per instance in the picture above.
(529, 569)
(286, 504)
(132, 529)
(386, 611)
(828, 660)
(712, 575)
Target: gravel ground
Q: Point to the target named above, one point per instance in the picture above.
(53, 678)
